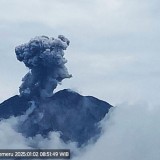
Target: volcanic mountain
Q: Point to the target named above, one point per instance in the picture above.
(74, 116)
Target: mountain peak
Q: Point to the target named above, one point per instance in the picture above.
(74, 116)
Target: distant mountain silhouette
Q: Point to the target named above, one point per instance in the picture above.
(76, 117)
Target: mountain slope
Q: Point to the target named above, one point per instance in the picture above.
(76, 117)
(14, 106)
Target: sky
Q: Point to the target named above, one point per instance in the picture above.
(114, 49)
(113, 55)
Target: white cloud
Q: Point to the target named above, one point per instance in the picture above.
(132, 132)
(12, 139)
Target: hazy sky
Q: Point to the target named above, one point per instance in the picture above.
(114, 49)
(114, 55)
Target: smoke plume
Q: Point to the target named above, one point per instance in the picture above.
(44, 58)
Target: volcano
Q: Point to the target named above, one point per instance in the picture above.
(74, 116)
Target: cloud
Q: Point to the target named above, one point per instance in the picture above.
(12, 139)
(110, 17)
(131, 132)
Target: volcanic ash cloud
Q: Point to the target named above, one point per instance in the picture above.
(44, 57)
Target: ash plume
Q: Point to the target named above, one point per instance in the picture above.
(44, 57)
